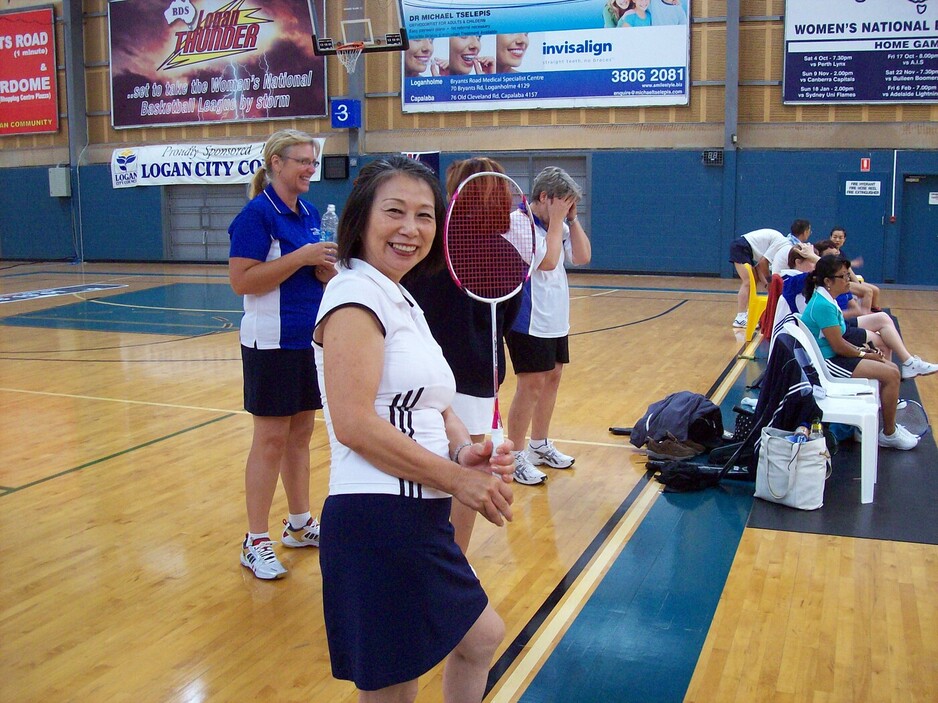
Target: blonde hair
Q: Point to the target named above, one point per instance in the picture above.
(276, 144)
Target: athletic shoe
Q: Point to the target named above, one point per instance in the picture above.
(741, 319)
(548, 455)
(525, 472)
(306, 536)
(900, 439)
(260, 558)
(914, 366)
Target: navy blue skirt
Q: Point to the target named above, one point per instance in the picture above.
(398, 594)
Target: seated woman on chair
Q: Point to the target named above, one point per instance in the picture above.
(845, 350)
(886, 335)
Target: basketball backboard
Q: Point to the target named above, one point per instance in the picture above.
(375, 23)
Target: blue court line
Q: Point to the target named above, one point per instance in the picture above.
(640, 634)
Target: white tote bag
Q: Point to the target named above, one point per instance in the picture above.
(790, 473)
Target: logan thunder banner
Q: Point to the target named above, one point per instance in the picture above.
(177, 62)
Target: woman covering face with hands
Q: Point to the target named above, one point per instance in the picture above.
(398, 593)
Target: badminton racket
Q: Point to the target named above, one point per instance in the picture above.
(489, 244)
(911, 415)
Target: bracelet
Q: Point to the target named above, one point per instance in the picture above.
(455, 455)
(861, 354)
(575, 219)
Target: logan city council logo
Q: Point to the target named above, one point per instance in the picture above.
(126, 162)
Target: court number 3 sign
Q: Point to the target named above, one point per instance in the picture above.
(346, 114)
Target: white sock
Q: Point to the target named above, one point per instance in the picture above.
(298, 521)
(253, 536)
(537, 443)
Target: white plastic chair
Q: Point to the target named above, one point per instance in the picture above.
(851, 401)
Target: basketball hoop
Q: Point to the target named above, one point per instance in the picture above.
(348, 54)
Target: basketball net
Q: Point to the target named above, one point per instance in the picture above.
(348, 54)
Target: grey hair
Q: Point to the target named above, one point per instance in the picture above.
(556, 183)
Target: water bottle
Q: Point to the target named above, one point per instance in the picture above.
(816, 430)
(330, 223)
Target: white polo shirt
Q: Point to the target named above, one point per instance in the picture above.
(762, 240)
(545, 296)
(416, 385)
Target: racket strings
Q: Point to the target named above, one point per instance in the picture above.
(489, 249)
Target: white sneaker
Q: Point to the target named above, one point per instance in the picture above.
(914, 366)
(741, 319)
(547, 454)
(306, 536)
(260, 558)
(525, 472)
(900, 439)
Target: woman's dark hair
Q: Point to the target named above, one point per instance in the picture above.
(354, 222)
(823, 245)
(826, 267)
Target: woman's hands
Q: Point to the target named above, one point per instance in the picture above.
(485, 487)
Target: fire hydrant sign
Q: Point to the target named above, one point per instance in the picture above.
(28, 90)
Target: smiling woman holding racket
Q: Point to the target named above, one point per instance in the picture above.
(398, 593)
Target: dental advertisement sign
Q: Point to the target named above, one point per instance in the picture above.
(188, 164)
(635, 54)
(176, 62)
(861, 51)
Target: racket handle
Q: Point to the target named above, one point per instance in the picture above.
(498, 438)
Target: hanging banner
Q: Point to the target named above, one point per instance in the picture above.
(28, 89)
(640, 58)
(851, 51)
(177, 62)
(186, 164)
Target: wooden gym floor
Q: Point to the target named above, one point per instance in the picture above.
(121, 501)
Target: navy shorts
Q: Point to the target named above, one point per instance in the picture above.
(279, 382)
(741, 252)
(398, 594)
(844, 366)
(536, 354)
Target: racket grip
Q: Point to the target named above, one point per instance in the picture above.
(498, 438)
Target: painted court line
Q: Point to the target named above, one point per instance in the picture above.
(124, 400)
(576, 598)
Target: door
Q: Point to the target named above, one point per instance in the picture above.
(199, 216)
(918, 236)
(862, 206)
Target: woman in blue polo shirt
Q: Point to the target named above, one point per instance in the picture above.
(280, 267)
(845, 349)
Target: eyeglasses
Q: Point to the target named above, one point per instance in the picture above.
(305, 163)
(844, 276)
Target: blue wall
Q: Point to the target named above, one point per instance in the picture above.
(33, 224)
(651, 211)
(122, 224)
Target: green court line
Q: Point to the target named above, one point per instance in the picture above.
(115, 454)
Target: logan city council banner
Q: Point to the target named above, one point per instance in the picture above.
(861, 51)
(187, 164)
(177, 62)
(549, 54)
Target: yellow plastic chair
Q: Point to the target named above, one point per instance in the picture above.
(757, 303)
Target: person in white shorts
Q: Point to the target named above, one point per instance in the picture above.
(751, 248)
